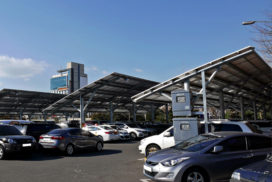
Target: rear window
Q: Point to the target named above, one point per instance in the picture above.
(41, 127)
(259, 142)
(9, 130)
(57, 132)
(226, 127)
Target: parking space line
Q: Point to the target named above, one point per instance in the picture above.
(142, 159)
(145, 180)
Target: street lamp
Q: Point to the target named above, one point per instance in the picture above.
(252, 22)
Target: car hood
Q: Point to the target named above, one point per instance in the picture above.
(260, 167)
(151, 138)
(167, 154)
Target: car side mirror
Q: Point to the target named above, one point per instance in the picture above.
(167, 134)
(217, 149)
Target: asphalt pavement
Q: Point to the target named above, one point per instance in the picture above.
(118, 162)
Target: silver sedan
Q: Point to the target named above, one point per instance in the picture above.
(70, 139)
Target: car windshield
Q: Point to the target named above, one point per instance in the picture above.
(106, 127)
(196, 143)
(9, 130)
(57, 132)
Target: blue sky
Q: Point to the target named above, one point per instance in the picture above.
(152, 39)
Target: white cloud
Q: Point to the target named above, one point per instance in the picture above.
(94, 68)
(1, 84)
(25, 68)
(138, 70)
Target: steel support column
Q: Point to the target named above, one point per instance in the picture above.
(152, 113)
(242, 111)
(134, 110)
(44, 116)
(21, 115)
(82, 112)
(187, 85)
(166, 113)
(264, 112)
(111, 111)
(254, 110)
(204, 101)
(222, 105)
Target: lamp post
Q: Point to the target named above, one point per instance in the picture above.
(252, 22)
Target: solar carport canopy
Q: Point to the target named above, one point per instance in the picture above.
(241, 74)
(25, 102)
(114, 90)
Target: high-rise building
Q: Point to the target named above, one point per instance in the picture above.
(68, 80)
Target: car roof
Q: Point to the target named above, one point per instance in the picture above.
(234, 134)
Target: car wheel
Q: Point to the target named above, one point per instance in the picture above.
(99, 146)
(152, 148)
(194, 175)
(133, 136)
(70, 149)
(2, 152)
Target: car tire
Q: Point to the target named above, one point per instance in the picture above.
(151, 148)
(2, 152)
(99, 147)
(133, 136)
(195, 174)
(70, 149)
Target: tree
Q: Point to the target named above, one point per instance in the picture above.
(264, 39)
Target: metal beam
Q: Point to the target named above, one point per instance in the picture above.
(222, 104)
(242, 111)
(204, 101)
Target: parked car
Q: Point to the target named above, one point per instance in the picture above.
(133, 129)
(207, 157)
(12, 140)
(166, 138)
(260, 171)
(36, 130)
(69, 140)
(123, 134)
(103, 132)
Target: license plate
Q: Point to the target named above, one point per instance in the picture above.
(46, 139)
(149, 169)
(27, 145)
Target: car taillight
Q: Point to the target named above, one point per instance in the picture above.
(41, 137)
(107, 132)
(57, 137)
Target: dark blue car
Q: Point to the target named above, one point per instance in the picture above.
(259, 171)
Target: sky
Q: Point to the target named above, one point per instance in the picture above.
(151, 39)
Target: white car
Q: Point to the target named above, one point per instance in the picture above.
(104, 132)
(134, 130)
(124, 135)
(166, 138)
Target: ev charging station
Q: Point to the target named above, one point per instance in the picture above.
(184, 122)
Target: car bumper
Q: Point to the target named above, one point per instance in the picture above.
(162, 173)
(53, 145)
(111, 137)
(10, 148)
(125, 137)
(141, 148)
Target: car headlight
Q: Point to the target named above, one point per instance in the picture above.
(174, 162)
(9, 140)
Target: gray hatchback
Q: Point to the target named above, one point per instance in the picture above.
(207, 157)
(70, 139)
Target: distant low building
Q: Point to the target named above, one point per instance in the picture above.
(68, 80)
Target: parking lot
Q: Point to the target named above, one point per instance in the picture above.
(119, 161)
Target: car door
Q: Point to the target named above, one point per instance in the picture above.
(76, 137)
(260, 146)
(86, 139)
(169, 141)
(233, 156)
